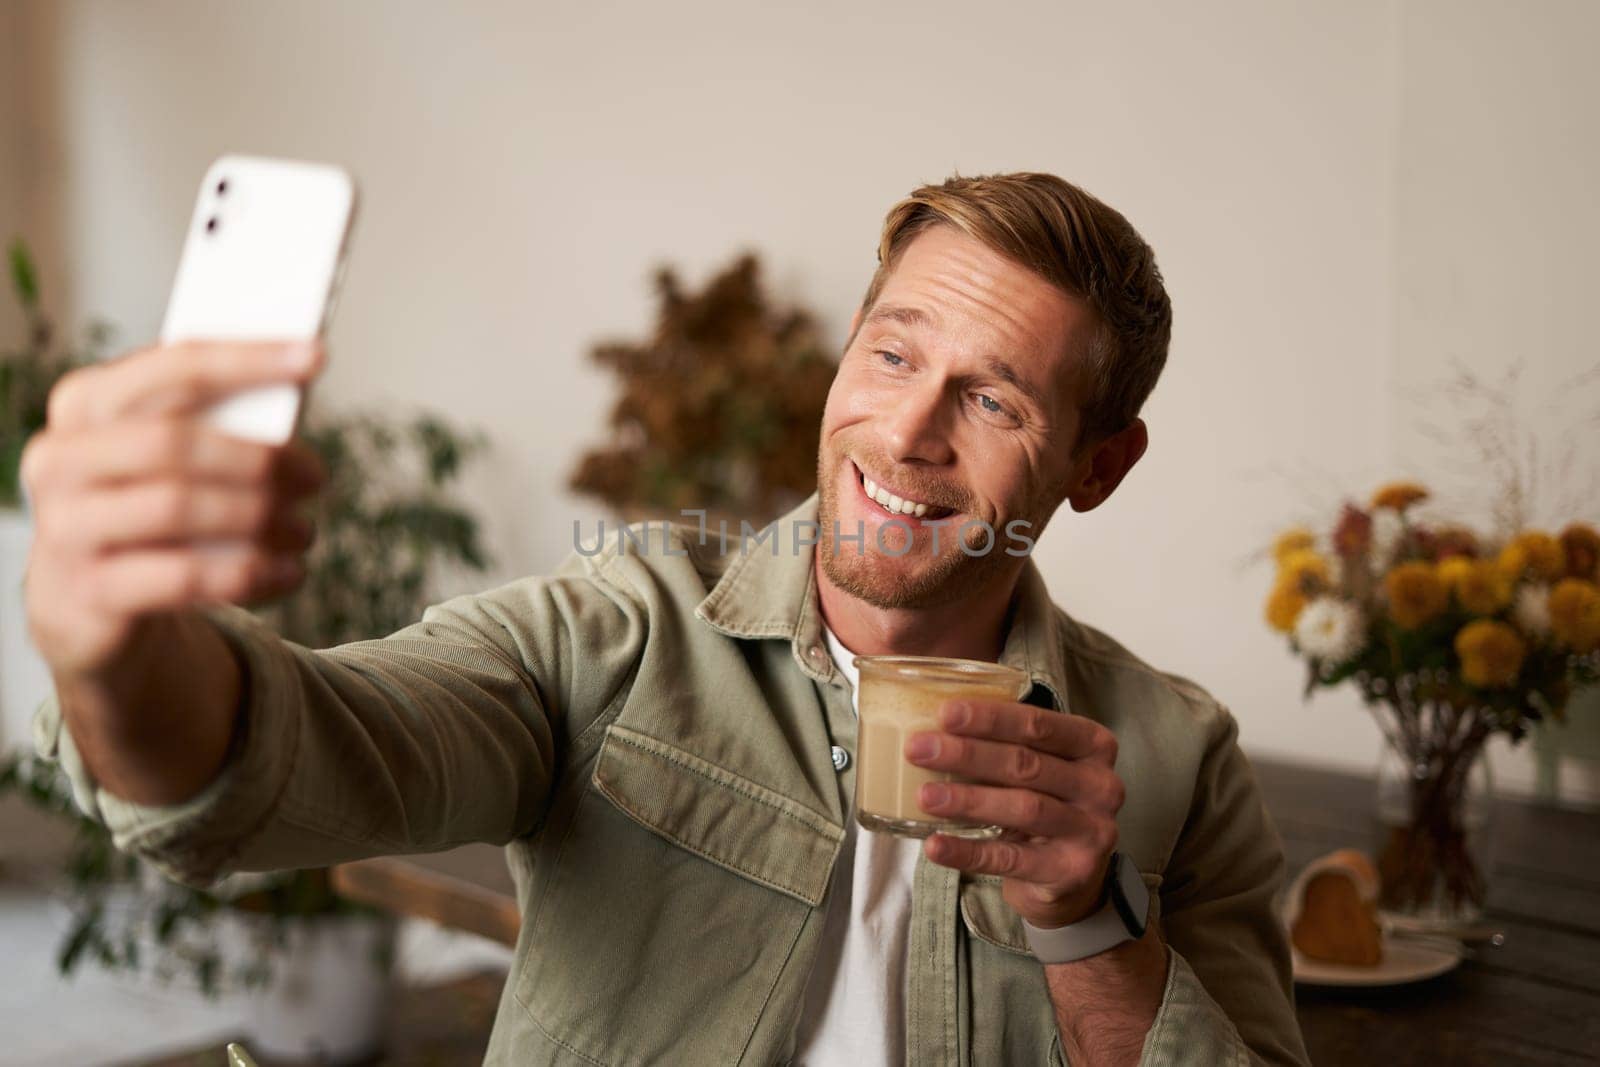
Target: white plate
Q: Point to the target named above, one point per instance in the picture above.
(1404, 960)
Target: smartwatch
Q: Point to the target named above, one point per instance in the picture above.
(1121, 918)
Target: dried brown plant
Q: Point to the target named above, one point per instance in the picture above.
(720, 407)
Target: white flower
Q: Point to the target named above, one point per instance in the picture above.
(1330, 630)
(1387, 530)
(1532, 609)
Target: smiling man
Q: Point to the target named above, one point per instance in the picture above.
(663, 731)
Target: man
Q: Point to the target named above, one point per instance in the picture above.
(663, 730)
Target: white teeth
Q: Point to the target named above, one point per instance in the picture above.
(898, 505)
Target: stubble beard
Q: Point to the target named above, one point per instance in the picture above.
(881, 579)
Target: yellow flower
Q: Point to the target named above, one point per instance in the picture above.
(1491, 653)
(1479, 585)
(1536, 551)
(1575, 614)
(1416, 594)
(1399, 495)
(1284, 606)
(1294, 539)
(1453, 569)
(1306, 570)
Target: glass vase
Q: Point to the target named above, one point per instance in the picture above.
(1434, 820)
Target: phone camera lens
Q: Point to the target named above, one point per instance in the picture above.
(222, 186)
(211, 224)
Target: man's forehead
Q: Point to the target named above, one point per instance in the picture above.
(943, 269)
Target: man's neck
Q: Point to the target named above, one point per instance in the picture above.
(971, 627)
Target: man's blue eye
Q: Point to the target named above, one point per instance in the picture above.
(990, 404)
(891, 359)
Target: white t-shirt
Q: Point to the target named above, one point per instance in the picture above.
(855, 1000)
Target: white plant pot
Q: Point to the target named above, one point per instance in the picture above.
(328, 998)
(24, 680)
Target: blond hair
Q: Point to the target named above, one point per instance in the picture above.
(1080, 245)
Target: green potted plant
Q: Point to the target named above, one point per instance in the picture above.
(387, 523)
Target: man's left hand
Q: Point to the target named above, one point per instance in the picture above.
(1049, 780)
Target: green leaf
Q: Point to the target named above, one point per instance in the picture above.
(84, 933)
(168, 912)
(1340, 673)
(206, 971)
(24, 279)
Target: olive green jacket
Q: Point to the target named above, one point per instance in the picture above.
(649, 731)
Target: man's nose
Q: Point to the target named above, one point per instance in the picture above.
(916, 429)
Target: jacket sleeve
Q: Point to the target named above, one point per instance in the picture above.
(447, 731)
(1230, 995)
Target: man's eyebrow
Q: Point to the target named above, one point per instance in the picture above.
(1008, 374)
(904, 315)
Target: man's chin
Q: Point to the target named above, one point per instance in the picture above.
(884, 583)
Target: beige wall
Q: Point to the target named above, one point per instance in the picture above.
(31, 138)
(13, 36)
(1497, 212)
(525, 166)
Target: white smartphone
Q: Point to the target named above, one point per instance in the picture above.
(262, 261)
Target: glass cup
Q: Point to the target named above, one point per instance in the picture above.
(900, 696)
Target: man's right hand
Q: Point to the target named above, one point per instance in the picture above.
(141, 508)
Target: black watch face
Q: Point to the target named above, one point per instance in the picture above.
(1129, 896)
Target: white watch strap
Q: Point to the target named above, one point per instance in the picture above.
(1079, 940)
(1092, 935)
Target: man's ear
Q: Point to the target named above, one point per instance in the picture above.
(1100, 472)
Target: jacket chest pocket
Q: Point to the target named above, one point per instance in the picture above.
(677, 897)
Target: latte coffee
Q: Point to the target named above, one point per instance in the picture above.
(900, 696)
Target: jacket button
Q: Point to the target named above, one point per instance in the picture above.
(818, 654)
(841, 758)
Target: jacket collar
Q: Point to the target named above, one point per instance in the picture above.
(769, 590)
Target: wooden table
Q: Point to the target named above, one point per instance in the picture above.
(1535, 1000)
